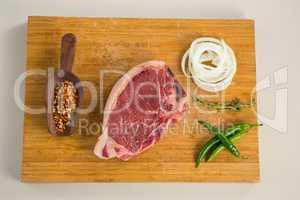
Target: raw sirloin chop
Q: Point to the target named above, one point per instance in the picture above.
(139, 109)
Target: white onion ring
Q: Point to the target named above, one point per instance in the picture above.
(212, 79)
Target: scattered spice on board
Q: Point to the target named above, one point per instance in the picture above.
(64, 104)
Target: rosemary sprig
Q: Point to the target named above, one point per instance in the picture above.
(235, 105)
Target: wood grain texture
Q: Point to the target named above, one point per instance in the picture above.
(111, 43)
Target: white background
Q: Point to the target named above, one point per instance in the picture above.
(277, 45)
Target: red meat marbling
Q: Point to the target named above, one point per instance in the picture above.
(139, 109)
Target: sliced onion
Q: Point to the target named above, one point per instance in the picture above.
(209, 78)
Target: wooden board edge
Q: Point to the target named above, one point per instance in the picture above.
(85, 178)
(25, 88)
(35, 17)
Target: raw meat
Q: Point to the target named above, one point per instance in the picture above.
(139, 109)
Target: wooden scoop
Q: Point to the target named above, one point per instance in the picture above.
(63, 74)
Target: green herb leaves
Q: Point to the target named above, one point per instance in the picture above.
(235, 105)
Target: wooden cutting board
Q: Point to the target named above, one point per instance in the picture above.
(119, 44)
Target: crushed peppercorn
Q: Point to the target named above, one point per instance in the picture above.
(64, 104)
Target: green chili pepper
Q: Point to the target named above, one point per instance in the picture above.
(220, 147)
(205, 149)
(244, 128)
(212, 142)
(229, 145)
(225, 141)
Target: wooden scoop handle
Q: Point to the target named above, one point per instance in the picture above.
(67, 55)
